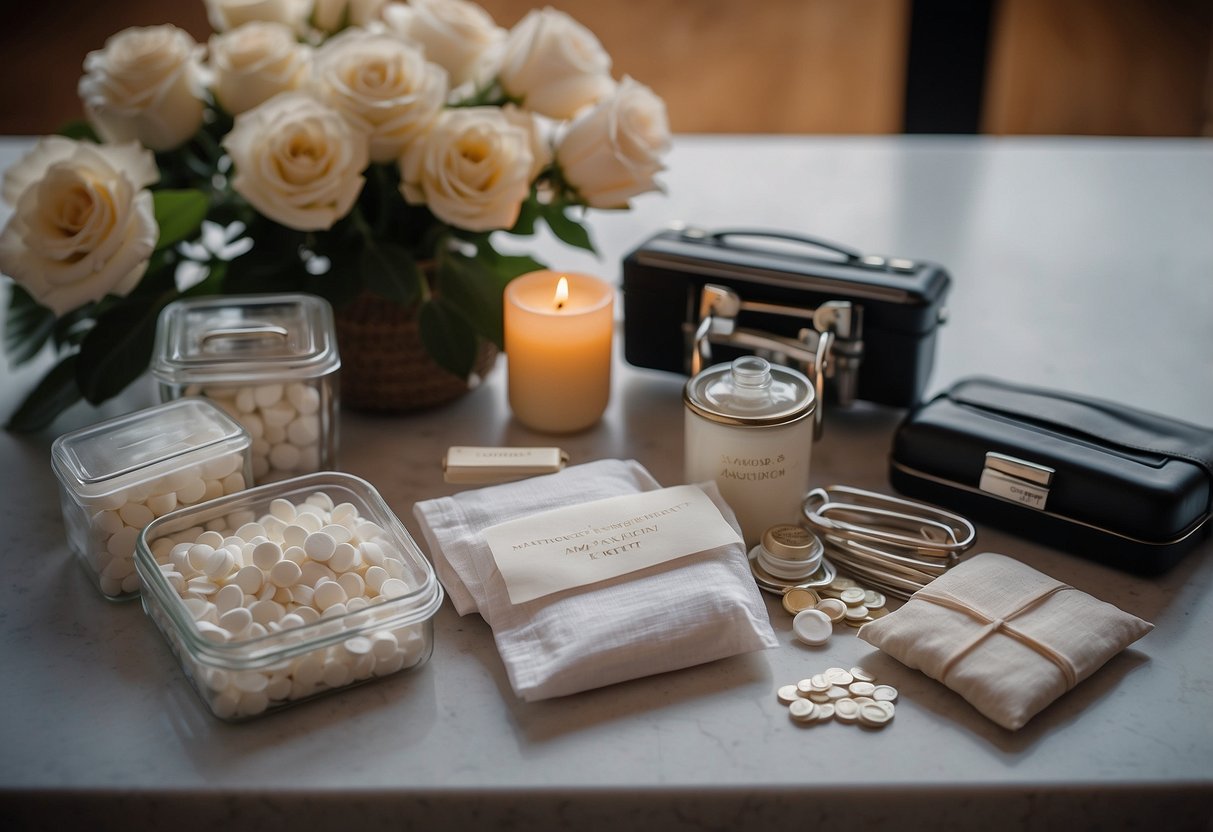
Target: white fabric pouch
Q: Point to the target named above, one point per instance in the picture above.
(694, 609)
(1007, 638)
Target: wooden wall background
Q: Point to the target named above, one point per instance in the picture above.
(1117, 67)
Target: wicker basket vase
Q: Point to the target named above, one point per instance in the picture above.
(384, 366)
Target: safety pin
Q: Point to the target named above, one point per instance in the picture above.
(836, 508)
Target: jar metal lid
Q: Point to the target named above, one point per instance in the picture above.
(246, 338)
(790, 542)
(750, 392)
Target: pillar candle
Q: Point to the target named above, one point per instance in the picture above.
(558, 349)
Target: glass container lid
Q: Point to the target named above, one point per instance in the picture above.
(143, 439)
(245, 338)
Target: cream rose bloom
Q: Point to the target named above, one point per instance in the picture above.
(228, 14)
(541, 147)
(384, 87)
(612, 153)
(455, 34)
(83, 225)
(473, 170)
(297, 161)
(145, 85)
(329, 15)
(254, 62)
(554, 65)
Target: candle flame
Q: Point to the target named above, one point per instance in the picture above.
(562, 293)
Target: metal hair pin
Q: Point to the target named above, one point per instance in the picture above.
(895, 544)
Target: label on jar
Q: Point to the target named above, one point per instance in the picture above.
(590, 542)
(752, 468)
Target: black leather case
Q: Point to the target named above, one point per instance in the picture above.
(901, 300)
(1119, 485)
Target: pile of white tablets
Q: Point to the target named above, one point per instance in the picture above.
(846, 696)
(116, 519)
(816, 611)
(283, 420)
(243, 578)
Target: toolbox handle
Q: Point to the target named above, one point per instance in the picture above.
(846, 251)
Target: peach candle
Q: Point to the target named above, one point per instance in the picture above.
(558, 329)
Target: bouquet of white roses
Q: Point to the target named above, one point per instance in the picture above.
(327, 146)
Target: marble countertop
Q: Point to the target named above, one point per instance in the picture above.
(1077, 263)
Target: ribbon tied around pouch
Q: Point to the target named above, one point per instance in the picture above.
(1000, 624)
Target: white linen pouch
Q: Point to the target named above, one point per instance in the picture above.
(684, 612)
(1007, 638)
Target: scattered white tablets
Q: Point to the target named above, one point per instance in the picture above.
(284, 421)
(259, 582)
(822, 697)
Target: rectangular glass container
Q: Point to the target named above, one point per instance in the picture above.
(270, 361)
(116, 476)
(319, 618)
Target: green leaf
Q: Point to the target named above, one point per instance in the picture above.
(525, 224)
(508, 266)
(26, 327)
(566, 228)
(55, 393)
(473, 290)
(117, 350)
(271, 265)
(179, 215)
(448, 337)
(389, 270)
(80, 130)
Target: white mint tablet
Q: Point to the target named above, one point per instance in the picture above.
(267, 395)
(812, 627)
(136, 514)
(305, 399)
(319, 546)
(284, 457)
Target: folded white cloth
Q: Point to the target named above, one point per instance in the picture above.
(1007, 638)
(691, 610)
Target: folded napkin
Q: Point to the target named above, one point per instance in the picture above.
(691, 610)
(1007, 638)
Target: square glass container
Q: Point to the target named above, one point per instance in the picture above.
(116, 476)
(270, 361)
(265, 629)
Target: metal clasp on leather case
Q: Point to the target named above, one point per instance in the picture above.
(1017, 480)
(831, 348)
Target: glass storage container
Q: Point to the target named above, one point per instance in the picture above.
(270, 361)
(116, 476)
(300, 588)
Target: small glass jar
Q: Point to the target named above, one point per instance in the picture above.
(116, 476)
(270, 361)
(749, 427)
(298, 588)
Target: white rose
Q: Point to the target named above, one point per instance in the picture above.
(145, 84)
(541, 147)
(554, 65)
(455, 34)
(228, 14)
(611, 153)
(473, 170)
(83, 225)
(254, 62)
(386, 88)
(331, 15)
(297, 161)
